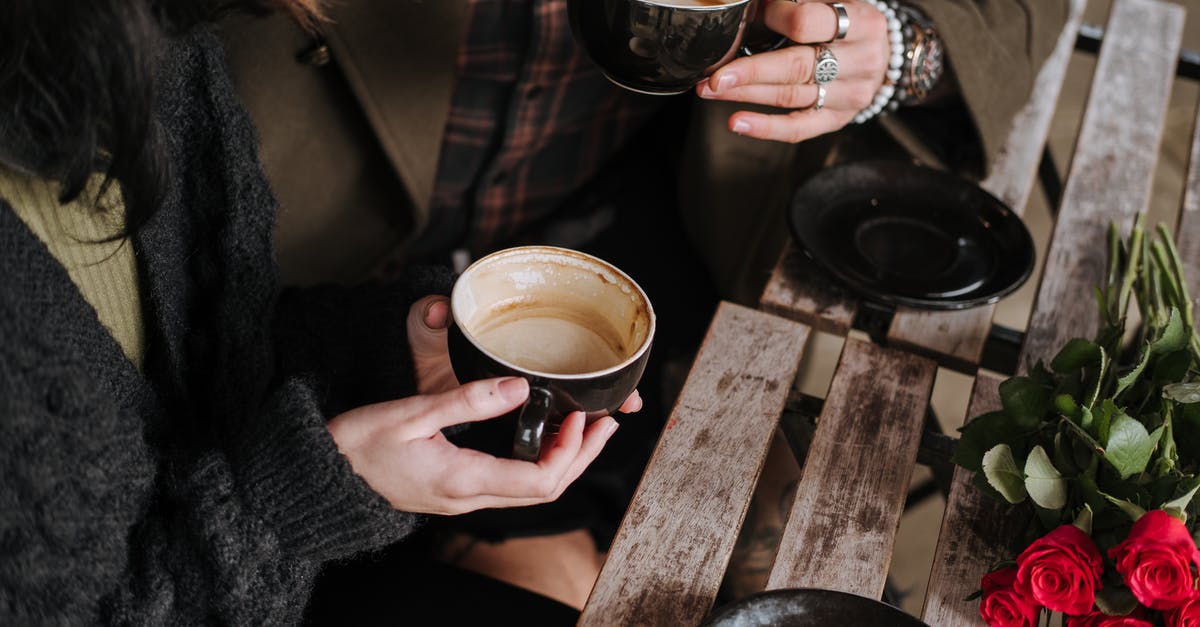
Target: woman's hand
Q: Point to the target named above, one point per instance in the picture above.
(399, 449)
(427, 322)
(784, 78)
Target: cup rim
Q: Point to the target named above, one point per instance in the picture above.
(693, 7)
(559, 251)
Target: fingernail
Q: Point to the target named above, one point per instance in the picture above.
(706, 91)
(514, 389)
(741, 126)
(726, 81)
(442, 320)
(612, 428)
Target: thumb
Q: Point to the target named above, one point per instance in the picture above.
(427, 322)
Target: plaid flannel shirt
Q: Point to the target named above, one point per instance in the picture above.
(531, 121)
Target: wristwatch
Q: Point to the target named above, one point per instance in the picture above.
(924, 57)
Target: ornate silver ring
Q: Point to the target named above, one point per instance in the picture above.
(826, 67)
(843, 21)
(820, 97)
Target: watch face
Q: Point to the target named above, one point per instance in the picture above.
(924, 67)
(929, 65)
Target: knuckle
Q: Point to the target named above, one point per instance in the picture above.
(546, 487)
(876, 57)
(789, 97)
(455, 488)
(476, 396)
(874, 22)
(800, 70)
(861, 95)
(795, 25)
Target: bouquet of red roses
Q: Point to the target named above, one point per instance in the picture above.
(1101, 451)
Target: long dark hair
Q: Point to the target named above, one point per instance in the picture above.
(77, 87)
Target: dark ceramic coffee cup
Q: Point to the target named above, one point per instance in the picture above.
(662, 47)
(577, 328)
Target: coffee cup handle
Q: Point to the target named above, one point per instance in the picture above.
(531, 424)
(766, 40)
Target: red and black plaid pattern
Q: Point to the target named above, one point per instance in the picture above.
(531, 121)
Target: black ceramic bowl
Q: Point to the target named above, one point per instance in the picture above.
(804, 607)
(904, 234)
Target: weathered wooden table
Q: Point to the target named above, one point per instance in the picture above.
(674, 544)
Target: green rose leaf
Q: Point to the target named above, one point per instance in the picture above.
(1132, 376)
(1131, 509)
(1092, 495)
(980, 435)
(1101, 375)
(1083, 521)
(1044, 483)
(1025, 401)
(1104, 418)
(1003, 474)
(1077, 354)
(1186, 393)
(1172, 367)
(1129, 447)
(1178, 507)
(1174, 337)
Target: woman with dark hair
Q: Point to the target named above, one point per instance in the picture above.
(165, 453)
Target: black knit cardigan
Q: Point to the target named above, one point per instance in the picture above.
(207, 490)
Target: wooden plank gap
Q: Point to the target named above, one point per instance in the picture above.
(800, 290)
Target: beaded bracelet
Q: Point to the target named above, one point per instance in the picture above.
(895, 61)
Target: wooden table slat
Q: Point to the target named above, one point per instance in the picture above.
(675, 541)
(1112, 170)
(843, 523)
(801, 291)
(956, 338)
(974, 535)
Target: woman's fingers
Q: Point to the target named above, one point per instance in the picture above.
(848, 96)
(595, 436)
(471, 402)
(631, 404)
(815, 22)
(792, 127)
(793, 67)
(500, 482)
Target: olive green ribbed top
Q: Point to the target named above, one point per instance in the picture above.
(105, 272)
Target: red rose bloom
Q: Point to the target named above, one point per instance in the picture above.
(1099, 619)
(1156, 561)
(1186, 615)
(1002, 606)
(1061, 571)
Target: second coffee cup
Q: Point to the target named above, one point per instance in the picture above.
(662, 47)
(577, 328)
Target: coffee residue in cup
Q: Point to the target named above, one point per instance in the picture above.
(551, 339)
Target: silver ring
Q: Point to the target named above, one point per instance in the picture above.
(820, 97)
(843, 21)
(826, 67)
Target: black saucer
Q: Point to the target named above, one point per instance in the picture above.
(800, 607)
(908, 235)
